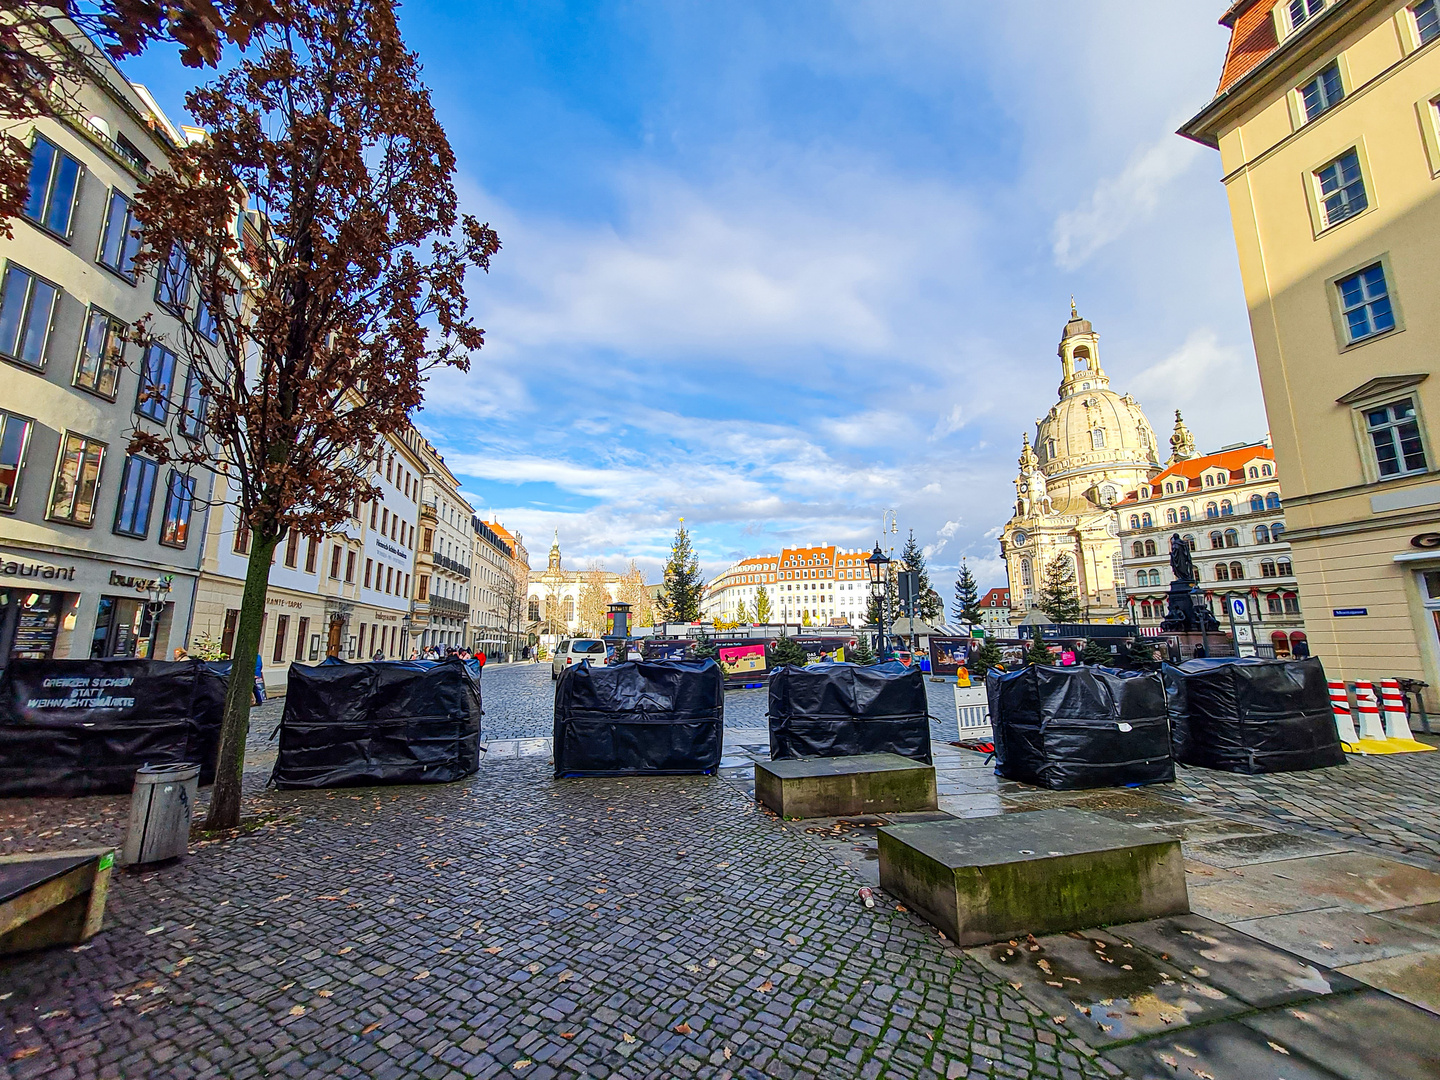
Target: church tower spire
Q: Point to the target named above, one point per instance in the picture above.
(1182, 444)
(1080, 357)
(555, 552)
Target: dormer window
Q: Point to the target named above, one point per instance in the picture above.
(1302, 11)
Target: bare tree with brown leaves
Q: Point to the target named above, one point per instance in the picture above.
(43, 51)
(316, 332)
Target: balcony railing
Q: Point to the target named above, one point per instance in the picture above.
(457, 568)
(449, 609)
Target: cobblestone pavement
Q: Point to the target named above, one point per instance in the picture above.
(515, 925)
(1385, 802)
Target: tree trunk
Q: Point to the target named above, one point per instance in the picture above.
(225, 796)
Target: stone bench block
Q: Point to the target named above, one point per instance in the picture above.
(833, 787)
(1041, 872)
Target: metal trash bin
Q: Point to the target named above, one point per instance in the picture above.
(161, 807)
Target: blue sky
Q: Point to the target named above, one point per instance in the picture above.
(776, 268)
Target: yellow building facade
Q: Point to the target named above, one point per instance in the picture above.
(1327, 121)
(1092, 448)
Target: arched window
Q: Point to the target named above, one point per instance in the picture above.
(1264, 470)
(1169, 489)
(1212, 510)
(1226, 508)
(1262, 534)
(1295, 639)
(1281, 643)
(1257, 503)
(1171, 518)
(1025, 578)
(1137, 549)
(1146, 520)
(1149, 547)
(1222, 572)
(1272, 500)
(534, 609)
(1254, 473)
(1232, 538)
(569, 609)
(1273, 604)
(1237, 571)
(1292, 604)
(1284, 569)
(1154, 577)
(1049, 448)
(1145, 611)
(1097, 439)
(1184, 513)
(1277, 529)
(1267, 568)
(1209, 480)
(1190, 541)
(1217, 539)
(1134, 521)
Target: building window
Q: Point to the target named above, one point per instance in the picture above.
(1232, 538)
(1171, 518)
(1273, 604)
(1322, 92)
(1190, 542)
(1217, 540)
(1267, 568)
(1301, 11)
(312, 549)
(1147, 521)
(1262, 534)
(1257, 502)
(1342, 189)
(424, 589)
(157, 381)
(1292, 604)
(1097, 439)
(1227, 508)
(1237, 571)
(335, 562)
(302, 631)
(1184, 513)
(179, 502)
(120, 237)
(1149, 547)
(1134, 521)
(27, 308)
(77, 479)
(282, 629)
(1137, 549)
(1272, 500)
(1222, 572)
(172, 285)
(192, 407)
(1427, 20)
(369, 568)
(1212, 510)
(98, 367)
(14, 442)
(1276, 528)
(54, 187)
(205, 322)
(1025, 578)
(1154, 577)
(1395, 435)
(137, 493)
(1284, 569)
(241, 543)
(350, 568)
(1365, 303)
(292, 548)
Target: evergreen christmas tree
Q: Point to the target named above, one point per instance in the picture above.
(1096, 652)
(684, 586)
(931, 606)
(1141, 654)
(787, 651)
(704, 648)
(966, 608)
(861, 653)
(1039, 653)
(1059, 597)
(987, 656)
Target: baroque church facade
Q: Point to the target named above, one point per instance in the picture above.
(554, 595)
(1091, 449)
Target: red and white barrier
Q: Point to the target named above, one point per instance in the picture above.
(1340, 706)
(1397, 724)
(1369, 708)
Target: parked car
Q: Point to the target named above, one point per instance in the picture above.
(568, 653)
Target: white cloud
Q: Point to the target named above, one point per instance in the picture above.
(1120, 202)
(1216, 386)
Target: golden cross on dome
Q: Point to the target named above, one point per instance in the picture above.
(1074, 314)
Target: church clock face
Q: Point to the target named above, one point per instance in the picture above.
(1019, 537)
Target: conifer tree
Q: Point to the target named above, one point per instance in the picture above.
(931, 606)
(787, 651)
(1096, 652)
(683, 584)
(984, 658)
(705, 648)
(762, 605)
(1039, 653)
(861, 653)
(1059, 596)
(1141, 653)
(966, 608)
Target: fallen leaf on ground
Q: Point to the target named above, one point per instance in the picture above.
(370, 1027)
(523, 1063)
(492, 950)
(567, 1034)
(534, 969)
(347, 948)
(682, 1029)
(420, 975)
(901, 907)
(627, 1036)
(726, 1052)
(1278, 1048)
(325, 993)
(565, 976)
(297, 1010)
(765, 987)
(20, 1055)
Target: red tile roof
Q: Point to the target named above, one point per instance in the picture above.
(1233, 461)
(996, 598)
(1252, 39)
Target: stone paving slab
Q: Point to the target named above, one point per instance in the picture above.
(1414, 977)
(1336, 937)
(1365, 1035)
(1249, 850)
(1350, 880)
(1226, 1051)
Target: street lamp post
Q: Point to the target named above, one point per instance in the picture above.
(158, 589)
(878, 565)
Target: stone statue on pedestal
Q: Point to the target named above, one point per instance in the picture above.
(1181, 613)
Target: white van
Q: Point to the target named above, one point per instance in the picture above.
(569, 653)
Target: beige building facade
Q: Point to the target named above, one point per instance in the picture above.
(1327, 121)
(440, 614)
(1091, 448)
(813, 585)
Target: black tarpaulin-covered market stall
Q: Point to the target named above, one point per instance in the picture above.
(398, 722)
(660, 718)
(839, 709)
(1079, 727)
(1252, 716)
(83, 727)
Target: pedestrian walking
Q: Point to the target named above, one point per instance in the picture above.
(259, 680)
(480, 658)
(379, 655)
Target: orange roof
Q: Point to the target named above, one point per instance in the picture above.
(996, 598)
(1252, 39)
(1233, 461)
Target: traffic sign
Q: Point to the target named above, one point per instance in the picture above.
(1237, 607)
